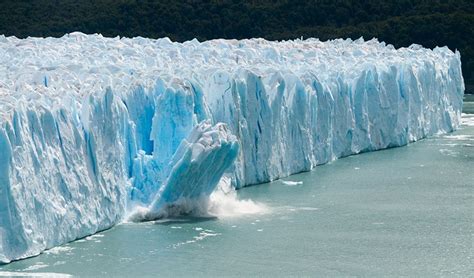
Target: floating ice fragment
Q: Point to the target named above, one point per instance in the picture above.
(291, 183)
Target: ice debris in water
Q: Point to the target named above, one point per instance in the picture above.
(292, 183)
(93, 129)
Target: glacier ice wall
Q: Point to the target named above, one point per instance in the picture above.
(93, 129)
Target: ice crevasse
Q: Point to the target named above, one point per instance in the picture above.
(92, 128)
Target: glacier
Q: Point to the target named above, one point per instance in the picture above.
(95, 130)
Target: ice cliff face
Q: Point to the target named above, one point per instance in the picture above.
(93, 129)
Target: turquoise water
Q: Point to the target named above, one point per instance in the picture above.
(468, 104)
(405, 211)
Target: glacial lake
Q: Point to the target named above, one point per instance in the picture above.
(400, 212)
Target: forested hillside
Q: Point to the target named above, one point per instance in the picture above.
(399, 22)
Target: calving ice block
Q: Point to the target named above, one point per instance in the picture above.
(95, 129)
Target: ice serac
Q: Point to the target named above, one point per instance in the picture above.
(60, 181)
(95, 129)
(195, 169)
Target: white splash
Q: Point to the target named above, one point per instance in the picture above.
(36, 266)
(59, 249)
(224, 203)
